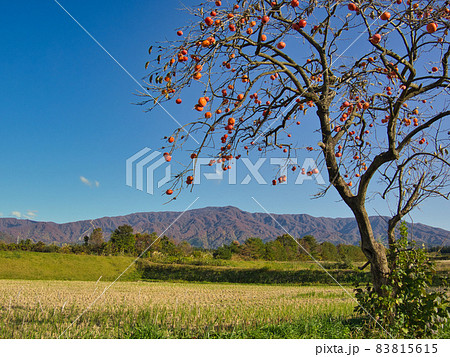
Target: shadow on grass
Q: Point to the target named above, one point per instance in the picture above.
(175, 272)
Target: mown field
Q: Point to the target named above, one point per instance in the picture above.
(44, 309)
(42, 294)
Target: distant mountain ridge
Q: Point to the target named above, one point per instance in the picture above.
(211, 227)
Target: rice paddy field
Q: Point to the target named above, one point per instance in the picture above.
(47, 309)
(46, 295)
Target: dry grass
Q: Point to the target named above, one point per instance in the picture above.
(443, 265)
(44, 309)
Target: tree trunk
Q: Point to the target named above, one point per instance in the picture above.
(374, 251)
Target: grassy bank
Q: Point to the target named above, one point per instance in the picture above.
(57, 266)
(249, 275)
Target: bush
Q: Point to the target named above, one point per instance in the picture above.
(407, 307)
(223, 253)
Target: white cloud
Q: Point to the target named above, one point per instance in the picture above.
(1, 214)
(89, 183)
(85, 180)
(16, 214)
(31, 214)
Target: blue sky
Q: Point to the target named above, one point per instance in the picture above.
(68, 122)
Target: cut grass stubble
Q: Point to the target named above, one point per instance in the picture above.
(44, 309)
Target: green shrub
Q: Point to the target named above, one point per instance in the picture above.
(407, 307)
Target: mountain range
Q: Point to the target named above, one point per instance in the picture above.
(211, 227)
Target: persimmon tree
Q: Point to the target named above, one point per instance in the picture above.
(373, 75)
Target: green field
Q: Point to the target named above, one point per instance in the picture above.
(57, 266)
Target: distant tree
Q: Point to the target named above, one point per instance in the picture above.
(350, 253)
(168, 247)
(291, 248)
(26, 245)
(235, 247)
(66, 249)
(275, 251)
(185, 248)
(328, 252)
(122, 240)
(96, 240)
(51, 248)
(253, 248)
(39, 247)
(309, 244)
(145, 241)
(223, 252)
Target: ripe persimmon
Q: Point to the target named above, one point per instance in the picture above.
(209, 21)
(375, 39)
(432, 27)
(352, 6)
(385, 16)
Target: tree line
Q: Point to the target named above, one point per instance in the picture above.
(124, 241)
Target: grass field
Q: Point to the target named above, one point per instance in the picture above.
(56, 266)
